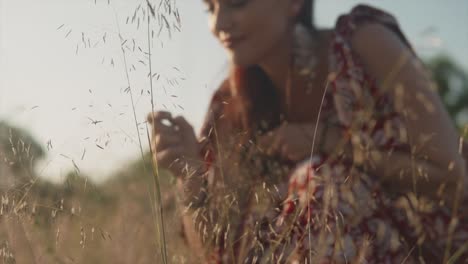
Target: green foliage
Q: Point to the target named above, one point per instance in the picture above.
(452, 83)
(18, 148)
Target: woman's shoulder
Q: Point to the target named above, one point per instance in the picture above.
(361, 18)
(366, 33)
(362, 14)
(367, 46)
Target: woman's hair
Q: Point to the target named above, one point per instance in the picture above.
(306, 16)
(255, 105)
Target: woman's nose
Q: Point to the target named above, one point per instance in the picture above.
(223, 21)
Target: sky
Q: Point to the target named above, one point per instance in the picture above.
(61, 69)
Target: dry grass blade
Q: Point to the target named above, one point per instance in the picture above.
(309, 235)
(150, 9)
(160, 221)
(162, 231)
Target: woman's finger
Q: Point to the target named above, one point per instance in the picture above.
(163, 120)
(168, 156)
(184, 127)
(156, 119)
(162, 142)
(162, 129)
(158, 116)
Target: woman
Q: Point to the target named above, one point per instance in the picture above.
(321, 146)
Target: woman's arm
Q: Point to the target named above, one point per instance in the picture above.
(409, 173)
(204, 187)
(431, 134)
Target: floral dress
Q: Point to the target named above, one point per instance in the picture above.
(329, 209)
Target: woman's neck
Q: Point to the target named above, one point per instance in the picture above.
(276, 65)
(283, 74)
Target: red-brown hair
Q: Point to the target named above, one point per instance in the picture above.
(254, 97)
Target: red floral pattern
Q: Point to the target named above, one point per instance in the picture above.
(393, 225)
(334, 212)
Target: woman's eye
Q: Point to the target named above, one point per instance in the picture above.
(209, 6)
(232, 3)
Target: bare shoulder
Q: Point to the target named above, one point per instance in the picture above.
(398, 70)
(381, 49)
(375, 33)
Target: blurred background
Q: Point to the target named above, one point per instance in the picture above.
(74, 94)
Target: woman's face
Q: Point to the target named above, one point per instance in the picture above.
(251, 29)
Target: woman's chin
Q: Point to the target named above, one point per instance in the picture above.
(240, 61)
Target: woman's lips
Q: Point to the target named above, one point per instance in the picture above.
(231, 42)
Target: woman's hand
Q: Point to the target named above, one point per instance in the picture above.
(173, 142)
(291, 141)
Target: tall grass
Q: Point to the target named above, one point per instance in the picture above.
(111, 223)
